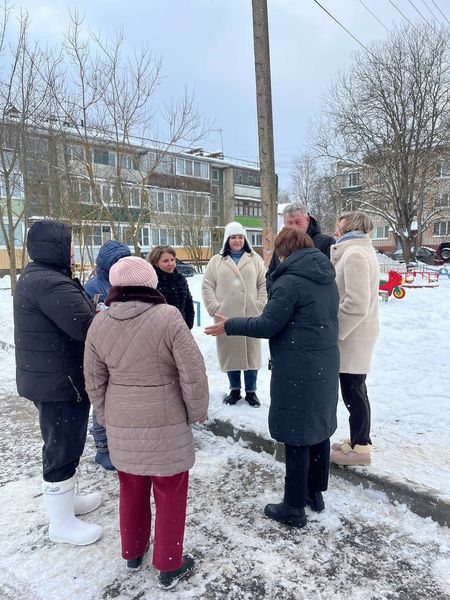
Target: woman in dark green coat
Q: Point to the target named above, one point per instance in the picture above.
(300, 320)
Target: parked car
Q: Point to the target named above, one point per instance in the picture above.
(185, 269)
(442, 253)
(424, 254)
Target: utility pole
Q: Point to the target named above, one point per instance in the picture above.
(265, 124)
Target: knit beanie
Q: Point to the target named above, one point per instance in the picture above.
(133, 271)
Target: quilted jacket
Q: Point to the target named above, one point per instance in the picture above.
(146, 378)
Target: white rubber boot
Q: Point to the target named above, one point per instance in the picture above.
(64, 527)
(86, 504)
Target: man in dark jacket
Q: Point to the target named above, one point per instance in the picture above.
(296, 215)
(108, 255)
(52, 314)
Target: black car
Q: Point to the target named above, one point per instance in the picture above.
(443, 253)
(185, 269)
(423, 254)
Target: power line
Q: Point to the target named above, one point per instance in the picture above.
(418, 11)
(404, 16)
(374, 16)
(345, 29)
(440, 11)
(431, 12)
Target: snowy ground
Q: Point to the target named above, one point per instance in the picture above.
(408, 386)
(362, 547)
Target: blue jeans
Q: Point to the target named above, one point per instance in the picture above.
(99, 434)
(234, 378)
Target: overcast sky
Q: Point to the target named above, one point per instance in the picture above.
(207, 45)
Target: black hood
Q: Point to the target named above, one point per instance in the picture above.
(310, 263)
(49, 242)
(313, 227)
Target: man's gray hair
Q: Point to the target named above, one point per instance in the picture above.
(294, 207)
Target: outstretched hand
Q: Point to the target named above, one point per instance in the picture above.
(219, 327)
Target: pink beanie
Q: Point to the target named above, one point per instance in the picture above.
(133, 271)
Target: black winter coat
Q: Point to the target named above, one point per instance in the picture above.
(300, 320)
(175, 289)
(320, 240)
(52, 314)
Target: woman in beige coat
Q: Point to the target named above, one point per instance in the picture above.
(146, 378)
(234, 285)
(357, 278)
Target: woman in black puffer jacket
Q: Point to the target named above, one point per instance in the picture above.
(172, 284)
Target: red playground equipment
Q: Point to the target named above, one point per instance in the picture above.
(392, 286)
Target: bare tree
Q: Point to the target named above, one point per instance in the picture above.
(304, 178)
(23, 94)
(315, 184)
(194, 228)
(108, 110)
(389, 117)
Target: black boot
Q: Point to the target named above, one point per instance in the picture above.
(252, 399)
(315, 501)
(169, 579)
(233, 397)
(295, 517)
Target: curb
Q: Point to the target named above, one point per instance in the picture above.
(417, 499)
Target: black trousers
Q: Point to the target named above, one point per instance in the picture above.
(63, 430)
(307, 469)
(354, 394)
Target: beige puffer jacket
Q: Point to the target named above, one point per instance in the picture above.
(146, 378)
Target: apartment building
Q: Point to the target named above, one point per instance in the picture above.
(143, 195)
(355, 180)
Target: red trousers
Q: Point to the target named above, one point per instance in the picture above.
(170, 495)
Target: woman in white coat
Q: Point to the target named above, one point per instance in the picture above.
(234, 285)
(357, 278)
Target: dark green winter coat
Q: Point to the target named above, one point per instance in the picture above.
(300, 320)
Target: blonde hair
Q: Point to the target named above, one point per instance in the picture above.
(356, 221)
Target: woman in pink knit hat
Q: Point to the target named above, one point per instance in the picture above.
(146, 378)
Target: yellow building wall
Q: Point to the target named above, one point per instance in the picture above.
(4, 259)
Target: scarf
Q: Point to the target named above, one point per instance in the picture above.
(351, 235)
(136, 293)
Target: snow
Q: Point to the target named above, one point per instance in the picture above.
(408, 385)
(379, 551)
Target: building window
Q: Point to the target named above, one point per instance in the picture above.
(255, 238)
(381, 232)
(443, 169)
(247, 177)
(18, 235)
(96, 235)
(215, 174)
(85, 193)
(192, 168)
(441, 228)
(145, 236)
(104, 157)
(443, 199)
(248, 208)
(75, 152)
(350, 180)
(127, 161)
